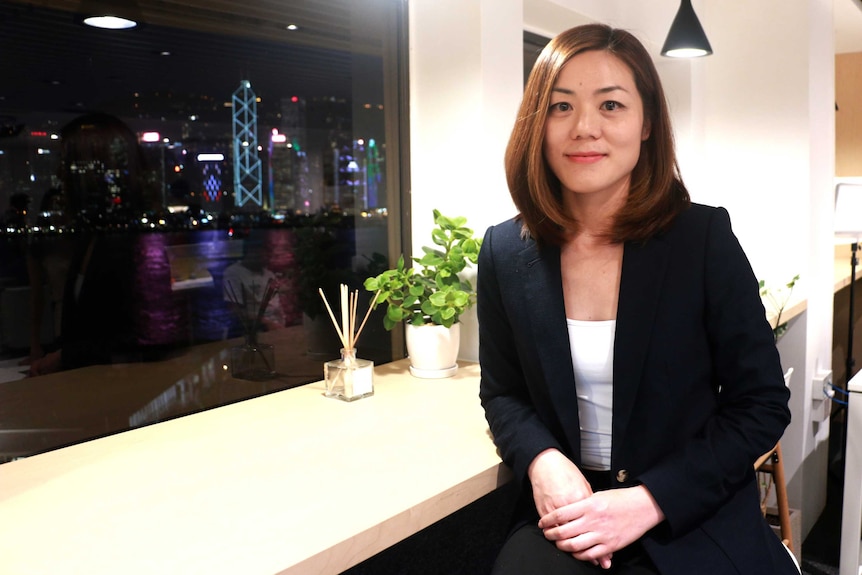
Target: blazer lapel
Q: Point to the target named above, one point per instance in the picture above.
(543, 294)
(644, 267)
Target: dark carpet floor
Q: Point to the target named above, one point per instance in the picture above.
(464, 543)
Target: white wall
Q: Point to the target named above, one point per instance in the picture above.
(465, 88)
(755, 132)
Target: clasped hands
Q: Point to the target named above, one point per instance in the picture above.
(589, 525)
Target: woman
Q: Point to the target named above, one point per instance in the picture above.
(629, 376)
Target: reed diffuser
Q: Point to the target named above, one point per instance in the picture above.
(253, 360)
(348, 378)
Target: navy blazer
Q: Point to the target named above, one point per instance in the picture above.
(698, 387)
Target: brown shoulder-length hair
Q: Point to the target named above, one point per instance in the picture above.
(657, 193)
(104, 168)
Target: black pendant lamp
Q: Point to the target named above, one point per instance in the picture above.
(686, 38)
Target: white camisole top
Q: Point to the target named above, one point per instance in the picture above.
(592, 345)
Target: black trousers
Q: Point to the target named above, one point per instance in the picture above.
(527, 552)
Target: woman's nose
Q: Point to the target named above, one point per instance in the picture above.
(585, 124)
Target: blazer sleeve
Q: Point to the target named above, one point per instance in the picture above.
(750, 413)
(518, 430)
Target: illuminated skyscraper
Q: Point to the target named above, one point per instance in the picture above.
(247, 176)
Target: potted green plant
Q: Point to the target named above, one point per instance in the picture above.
(430, 296)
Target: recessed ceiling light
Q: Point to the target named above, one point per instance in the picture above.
(110, 14)
(110, 22)
(292, 27)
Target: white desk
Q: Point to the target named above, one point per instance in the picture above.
(851, 516)
(291, 482)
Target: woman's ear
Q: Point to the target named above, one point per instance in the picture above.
(646, 131)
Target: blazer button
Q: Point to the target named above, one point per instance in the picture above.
(622, 476)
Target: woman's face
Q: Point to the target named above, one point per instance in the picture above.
(595, 127)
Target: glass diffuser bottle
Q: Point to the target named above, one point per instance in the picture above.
(349, 378)
(253, 361)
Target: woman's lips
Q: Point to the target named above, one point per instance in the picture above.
(585, 157)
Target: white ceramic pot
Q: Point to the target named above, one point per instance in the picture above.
(433, 350)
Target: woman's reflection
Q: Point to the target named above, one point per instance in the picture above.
(104, 181)
(47, 265)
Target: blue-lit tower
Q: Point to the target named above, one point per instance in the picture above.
(246, 178)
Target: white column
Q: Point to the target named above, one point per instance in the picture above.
(465, 87)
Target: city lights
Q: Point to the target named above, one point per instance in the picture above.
(210, 157)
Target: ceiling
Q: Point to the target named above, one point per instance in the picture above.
(49, 61)
(323, 23)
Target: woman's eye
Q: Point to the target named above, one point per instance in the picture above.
(561, 107)
(610, 106)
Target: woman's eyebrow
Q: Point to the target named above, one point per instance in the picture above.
(608, 89)
(605, 90)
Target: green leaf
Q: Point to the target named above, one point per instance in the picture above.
(372, 284)
(447, 322)
(438, 299)
(428, 308)
(430, 260)
(394, 313)
(439, 237)
(442, 220)
(461, 299)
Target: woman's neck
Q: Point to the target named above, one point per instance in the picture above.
(595, 212)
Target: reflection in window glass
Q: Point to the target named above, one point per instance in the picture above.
(533, 46)
(174, 191)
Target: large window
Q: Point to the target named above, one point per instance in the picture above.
(174, 191)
